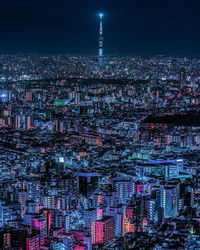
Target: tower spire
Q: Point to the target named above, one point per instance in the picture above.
(101, 40)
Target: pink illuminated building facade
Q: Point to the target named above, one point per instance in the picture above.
(104, 230)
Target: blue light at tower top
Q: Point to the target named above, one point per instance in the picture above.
(101, 15)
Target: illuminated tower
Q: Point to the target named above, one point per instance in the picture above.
(101, 40)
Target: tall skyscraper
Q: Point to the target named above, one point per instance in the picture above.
(104, 230)
(87, 183)
(182, 75)
(90, 216)
(101, 40)
(170, 200)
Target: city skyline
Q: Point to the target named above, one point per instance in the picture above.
(99, 138)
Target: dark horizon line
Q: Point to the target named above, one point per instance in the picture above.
(105, 55)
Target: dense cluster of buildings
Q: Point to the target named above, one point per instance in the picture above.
(35, 67)
(80, 168)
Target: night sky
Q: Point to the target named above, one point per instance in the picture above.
(146, 27)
